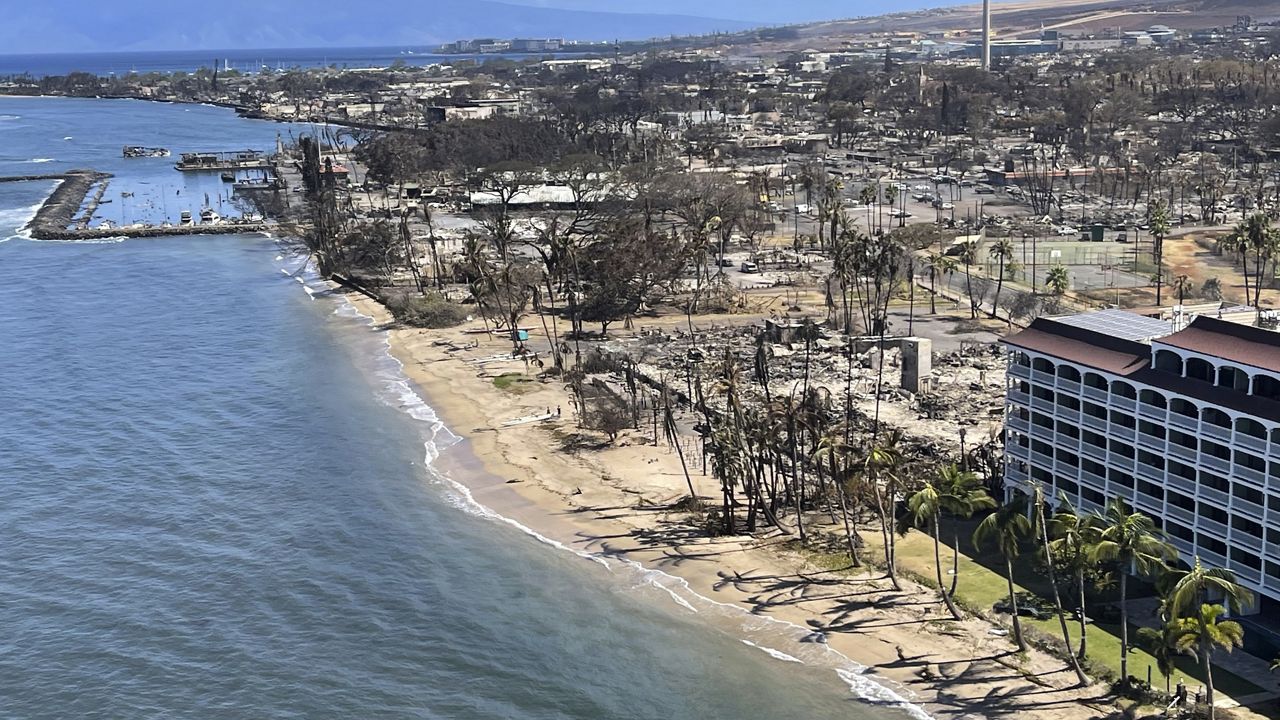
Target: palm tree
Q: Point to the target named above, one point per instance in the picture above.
(956, 492)
(1192, 586)
(1159, 228)
(1058, 280)
(1183, 286)
(939, 266)
(1008, 528)
(1160, 644)
(880, 467)
(1200, 635)
(1042, 528)
(1131, 541)
(1002, 250)
(1074, 536)
(1190, 592)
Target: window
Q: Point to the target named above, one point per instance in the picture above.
(1178, 437)
(1096, 381)
(1151, 459)
(1244, 492)
(1150, 490)
(1245, 525)
(1211, 544)
(1177, 499)
(1067, 401)
(1122, 419)
(1217, 482)
(1200, 369)
(1233, 378)
(1153, 398)
(1215, 514)
(1122, 449)
(1208, 447)
(1097, 440)
(1042, 365)
(1124, 390)
(1253, 462)
(1168, 361)
(1070, 430)
(1246, 557)
(1252, 428)
(1093, 496)
(1214, 416)
(1182, 470)
(1180, 532)
(1066, 372)
(1146, 427)
(1183, 407)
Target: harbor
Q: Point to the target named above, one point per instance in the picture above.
(69, 210)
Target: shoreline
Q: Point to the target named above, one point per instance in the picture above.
(617, 506)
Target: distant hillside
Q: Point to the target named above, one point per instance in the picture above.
(76, 26)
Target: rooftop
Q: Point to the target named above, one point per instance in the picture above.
(1244, 344)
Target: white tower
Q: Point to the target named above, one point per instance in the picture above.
(986, 34)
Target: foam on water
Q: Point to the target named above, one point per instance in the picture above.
(13, 223)
(41, 160)
(399, 392)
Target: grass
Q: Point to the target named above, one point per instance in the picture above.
(515, 383)
(981, 585)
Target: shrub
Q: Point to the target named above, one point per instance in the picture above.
(431, 310)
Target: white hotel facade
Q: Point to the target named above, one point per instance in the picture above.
(1185, 426)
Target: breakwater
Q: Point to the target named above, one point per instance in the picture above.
(55, 218)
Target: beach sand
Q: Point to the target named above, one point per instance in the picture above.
(616, 500)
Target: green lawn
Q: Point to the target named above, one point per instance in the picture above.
(513, 382)
(982, 584)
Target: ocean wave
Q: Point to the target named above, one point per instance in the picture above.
(40, 160)
(775, 654)
(10, 117)
(797, 638)
(14, 221)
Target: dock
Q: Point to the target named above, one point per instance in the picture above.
(57, 217)
(218, 161)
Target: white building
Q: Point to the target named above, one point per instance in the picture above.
(1185, 426)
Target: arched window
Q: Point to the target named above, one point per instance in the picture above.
(1183, 407)
(1153, 398)
(1066, 372)
(1251, 427)
(1042, 364)
(1233, 378)
(1200, 369)
(1123, 389)
(1266, 386)
(1169, 361)
(1214, 416)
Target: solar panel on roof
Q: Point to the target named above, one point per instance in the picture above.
(1120, 324)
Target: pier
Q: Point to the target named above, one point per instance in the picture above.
(57, 217)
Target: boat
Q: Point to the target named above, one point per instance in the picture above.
(185, 218)
(228, 177)
(138, 151)
(208, 216)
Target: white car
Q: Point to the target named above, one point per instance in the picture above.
(749, 267)
(947, 206)
(903, 214)
(1067, 231)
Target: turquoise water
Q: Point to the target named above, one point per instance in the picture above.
(216, 501)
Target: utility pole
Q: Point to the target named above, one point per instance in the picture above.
(986, 34)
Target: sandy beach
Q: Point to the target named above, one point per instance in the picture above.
(616, 500)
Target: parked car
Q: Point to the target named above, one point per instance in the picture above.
(902, 214)
(1122, 237)
(983, 189)
(1066, 231)
(748, 266)
(724, 262)
(944, 205)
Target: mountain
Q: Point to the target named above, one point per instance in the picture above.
(139, 25)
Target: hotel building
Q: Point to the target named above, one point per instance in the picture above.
(1185, 426)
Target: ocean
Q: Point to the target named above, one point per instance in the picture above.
(245, 61)
(218, 500)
